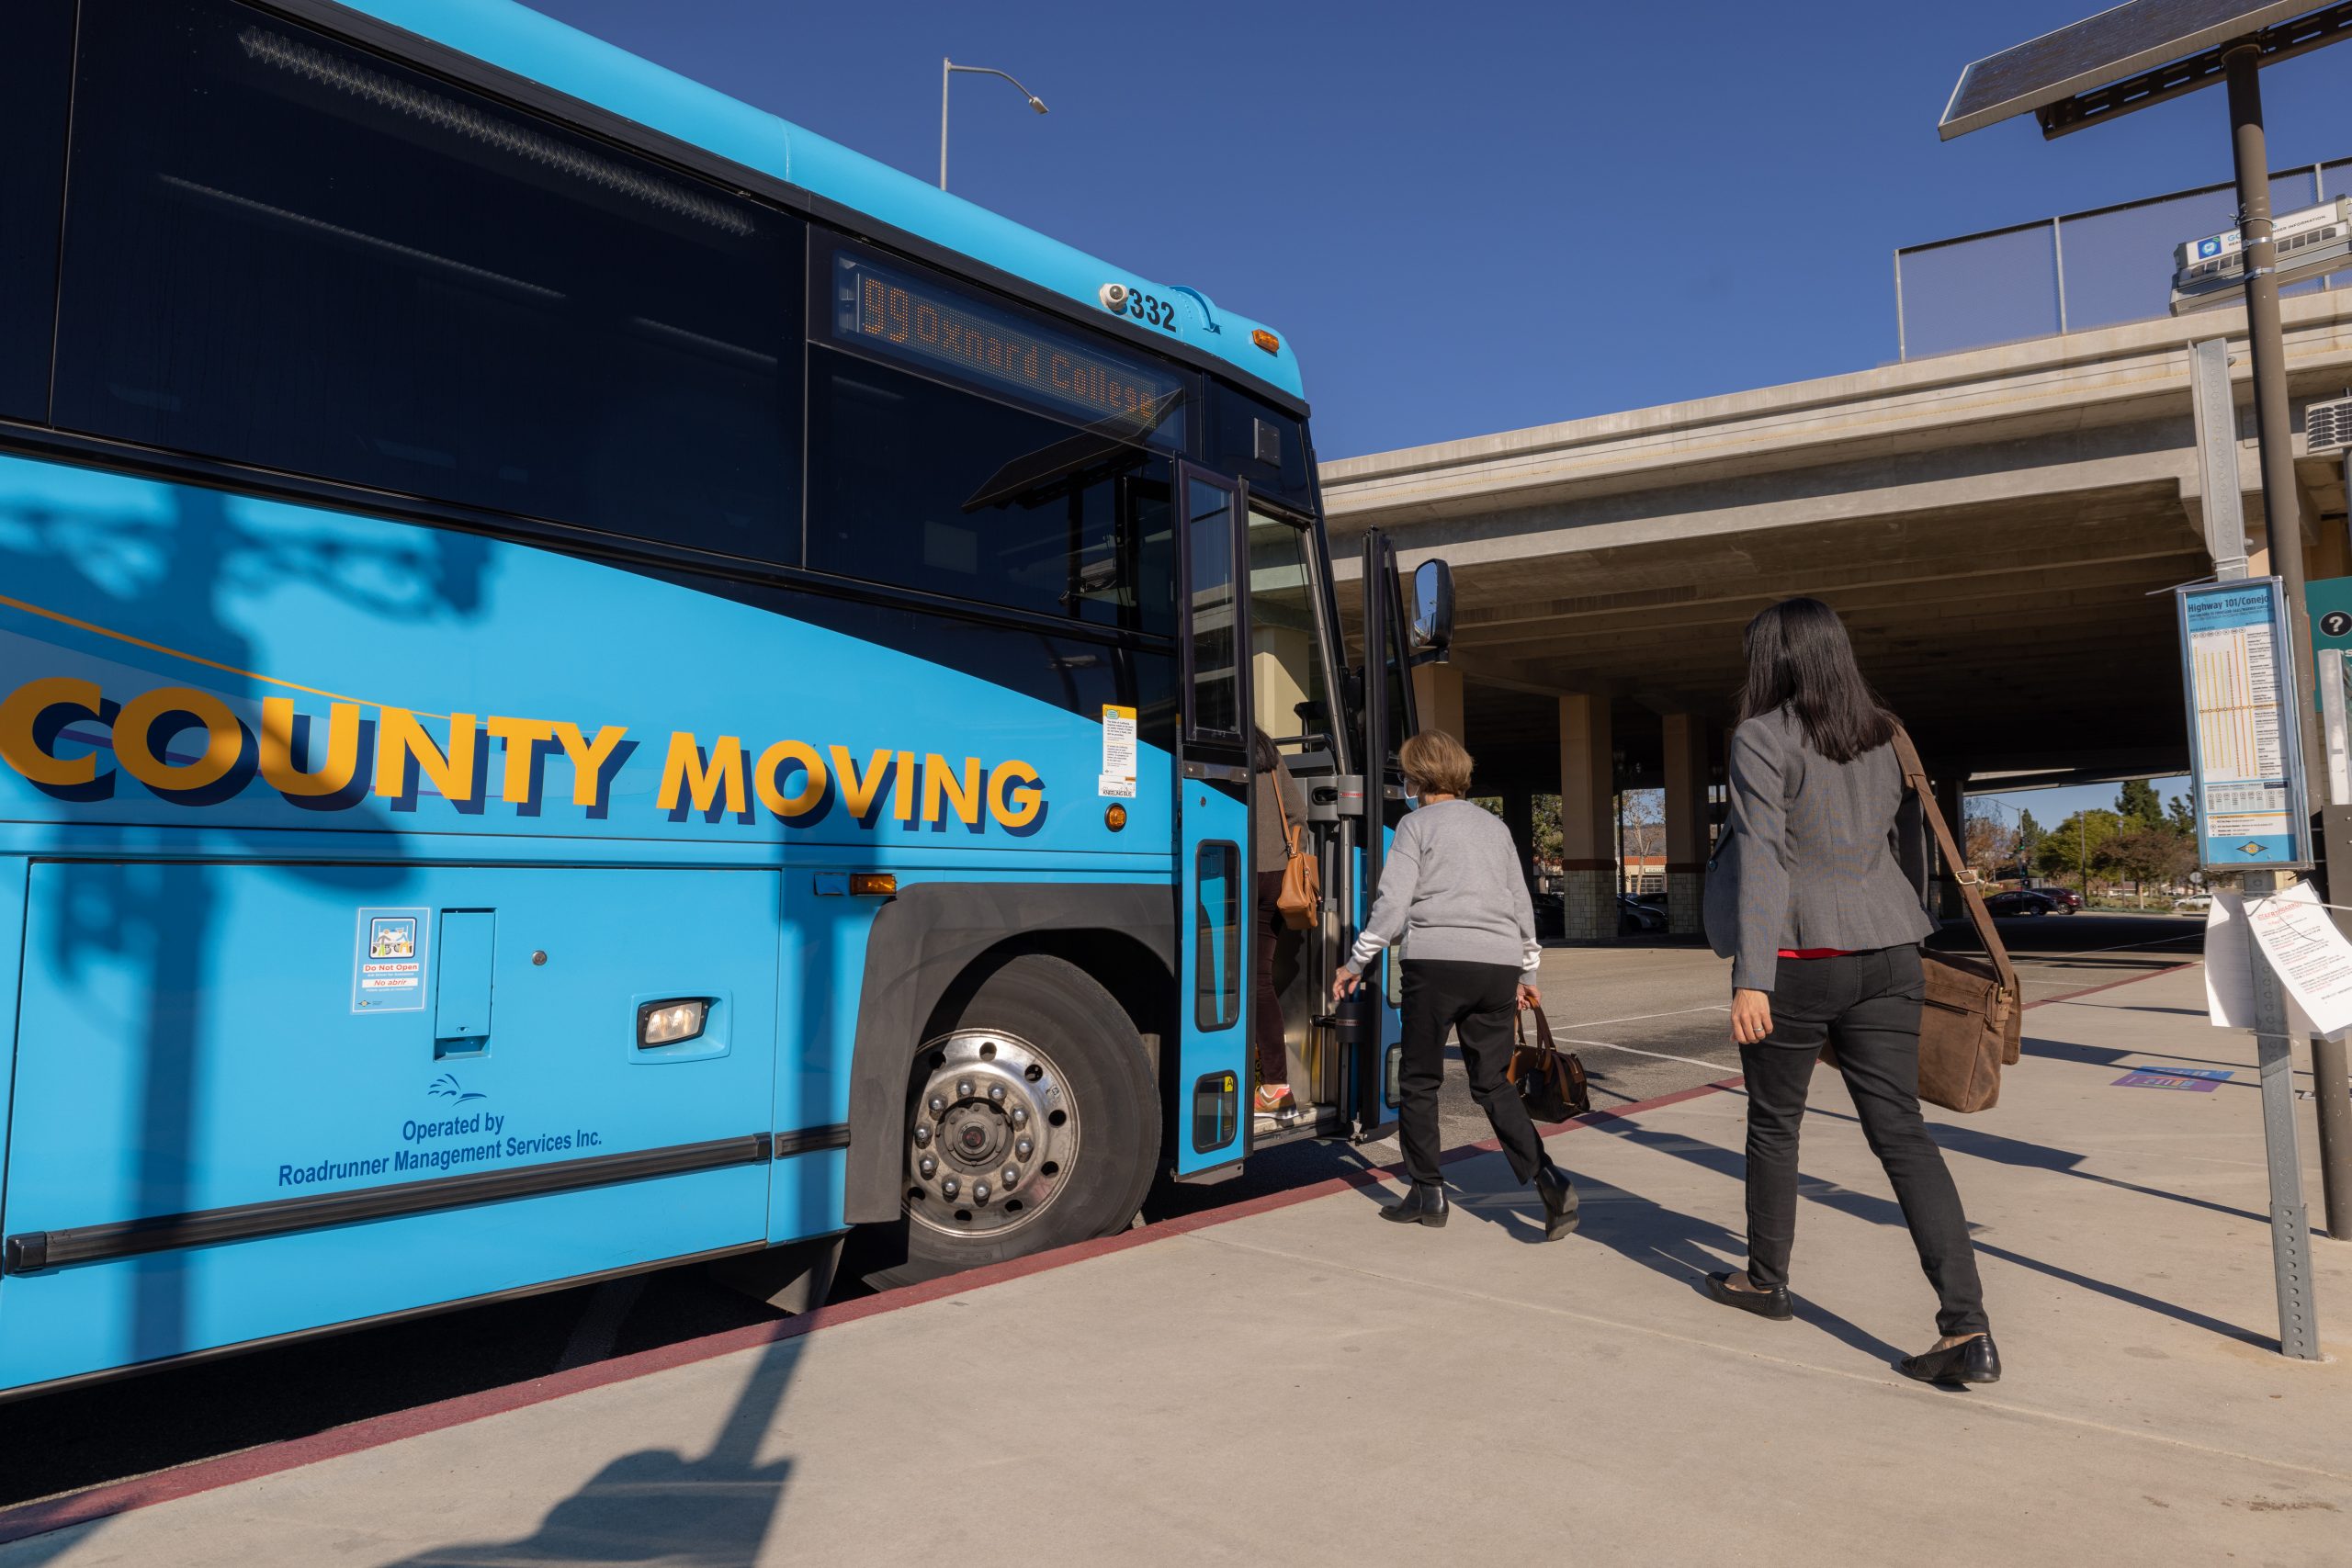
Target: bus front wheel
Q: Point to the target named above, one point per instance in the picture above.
(1032, 1123)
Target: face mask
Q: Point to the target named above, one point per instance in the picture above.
(1412, 801)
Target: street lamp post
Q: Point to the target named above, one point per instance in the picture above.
(948, 68)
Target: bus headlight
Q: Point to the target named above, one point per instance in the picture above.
(666, 1023)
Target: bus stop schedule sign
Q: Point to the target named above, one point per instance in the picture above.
(2242, 737)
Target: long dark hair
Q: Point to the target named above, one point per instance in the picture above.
(1800, 658)
(1264, 756)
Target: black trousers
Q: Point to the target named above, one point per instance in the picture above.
(1867, 1006)
(1477, 1002)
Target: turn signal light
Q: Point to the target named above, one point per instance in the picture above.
(1266, 340)
(1114, 817)
(873, 884)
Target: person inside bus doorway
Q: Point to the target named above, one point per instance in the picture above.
(1807, 900)
(1453, 890)
(1279, 806)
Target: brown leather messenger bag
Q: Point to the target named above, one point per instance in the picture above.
(1970, 1026)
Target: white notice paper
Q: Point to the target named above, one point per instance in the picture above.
(2228, 969)
(1118, 752)
(2310, 956)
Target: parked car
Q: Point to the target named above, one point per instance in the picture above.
(2023, 901)
(1551, 917)
(1634, 915)
(2195, 904)
(2067, 899)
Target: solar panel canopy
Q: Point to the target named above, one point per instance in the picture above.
(2116, 43)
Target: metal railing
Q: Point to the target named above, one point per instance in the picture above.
(2076, 271)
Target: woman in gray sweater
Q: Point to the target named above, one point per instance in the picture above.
(1809, 897)
(1453, 891)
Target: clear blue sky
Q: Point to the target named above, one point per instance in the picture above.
(1473, 217)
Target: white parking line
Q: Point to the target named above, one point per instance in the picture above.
(1637, 1051)
(1643, 1017)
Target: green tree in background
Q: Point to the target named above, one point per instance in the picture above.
(2146, 854)
(2139, 804)
(2183, 817)
(2081, 837)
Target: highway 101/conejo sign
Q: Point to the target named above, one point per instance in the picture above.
(2245, 746)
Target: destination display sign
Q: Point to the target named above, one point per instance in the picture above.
(2245, 743)
(932, 326)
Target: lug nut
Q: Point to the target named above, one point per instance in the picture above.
(947, 1188)
(1021, 1116)
(1011, 1175)
(937, 1105)
(923, 1136)
(963, 1088)
(979, 1191)
(929, 1167)
(1021, 1146)
(996, 1092)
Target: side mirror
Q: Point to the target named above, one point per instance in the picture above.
(1432, 607)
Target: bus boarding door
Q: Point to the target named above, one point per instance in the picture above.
(1213, 846)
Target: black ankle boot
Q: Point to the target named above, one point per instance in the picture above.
(1560, 1201)
(1971, 1361)
(1422, 1205)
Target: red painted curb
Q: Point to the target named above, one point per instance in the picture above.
(41, 1517)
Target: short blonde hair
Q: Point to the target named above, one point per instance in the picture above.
(1436, 762)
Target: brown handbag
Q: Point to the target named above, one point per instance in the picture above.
(1301, 901)
(1550, 1082)
(1971, 1024)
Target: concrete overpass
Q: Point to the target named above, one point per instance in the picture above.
(1998, 528)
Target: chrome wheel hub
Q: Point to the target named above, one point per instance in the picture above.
(993, 1135)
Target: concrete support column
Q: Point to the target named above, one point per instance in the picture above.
(1588, 821)
(1437, 698)
(1686, 821)
(1951, 794)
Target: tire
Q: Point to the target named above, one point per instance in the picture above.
(1043, 1031)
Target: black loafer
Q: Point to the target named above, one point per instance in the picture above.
(1420, 1206)
(1560, 1201)
(1773, 1304)
(1971, 1361)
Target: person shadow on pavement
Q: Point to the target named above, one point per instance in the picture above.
(657, 1504)
(1686, 1249)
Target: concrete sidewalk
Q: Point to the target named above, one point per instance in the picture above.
(1304, 1384)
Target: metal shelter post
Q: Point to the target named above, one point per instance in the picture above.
(2329, 1075)
(2282, 509)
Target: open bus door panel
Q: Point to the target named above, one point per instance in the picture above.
(1386, 716)
(1214, 908)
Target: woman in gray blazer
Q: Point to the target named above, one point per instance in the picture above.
(1809, 897)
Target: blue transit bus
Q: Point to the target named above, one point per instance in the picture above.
(590, 681)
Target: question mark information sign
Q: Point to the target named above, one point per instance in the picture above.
(2245, 745)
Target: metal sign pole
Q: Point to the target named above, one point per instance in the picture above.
(2241, 669)
(2290, 1237)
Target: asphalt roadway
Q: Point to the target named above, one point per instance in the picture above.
(1648, 1017)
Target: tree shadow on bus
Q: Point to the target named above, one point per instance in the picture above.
(658, 1504)
(143, 580)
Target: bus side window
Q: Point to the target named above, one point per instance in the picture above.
(284, 251)
(36, 68)
(922, 485)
